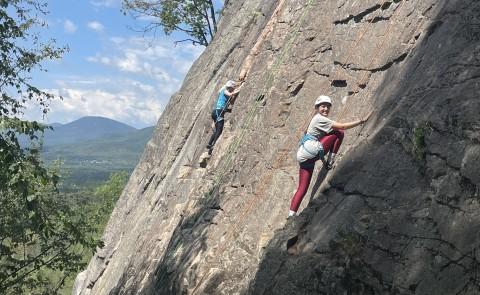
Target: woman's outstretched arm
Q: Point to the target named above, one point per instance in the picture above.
(348, 125)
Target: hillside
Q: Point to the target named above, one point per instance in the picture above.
(398, 214)
(89, 162)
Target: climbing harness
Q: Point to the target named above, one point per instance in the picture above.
(317, 152)
(221, 108)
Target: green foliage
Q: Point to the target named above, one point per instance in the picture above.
(39, 230)
(21, 51)
(58, 257)
(107, 196)
(94, 206)
(44, 235)
(196, 18)
(418, 140)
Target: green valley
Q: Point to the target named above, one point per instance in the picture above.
(90, 159)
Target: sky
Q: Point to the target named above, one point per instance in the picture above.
(111, 69)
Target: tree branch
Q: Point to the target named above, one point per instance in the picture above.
(35, 259)
(43, 263)
(192, 40)
(204, 14)
(207, 19)
(212, 15)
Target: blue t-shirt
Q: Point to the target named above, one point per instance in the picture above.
(221, 100)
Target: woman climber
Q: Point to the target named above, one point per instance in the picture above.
(226, 96)
(323, 136)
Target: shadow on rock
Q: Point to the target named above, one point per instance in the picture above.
(401, 213)
(177, 271)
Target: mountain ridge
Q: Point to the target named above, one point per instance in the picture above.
(85, 128)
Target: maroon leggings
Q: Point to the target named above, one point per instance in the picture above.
(330, 143)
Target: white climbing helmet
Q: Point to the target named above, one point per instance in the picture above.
(231, 84)
(323, 99)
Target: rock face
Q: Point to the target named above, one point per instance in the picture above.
(399, 214)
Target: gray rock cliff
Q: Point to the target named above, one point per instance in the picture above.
(400, 212)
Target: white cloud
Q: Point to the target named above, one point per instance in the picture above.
(128, 101)
(96, 26)
(134, 56)
(105, 60)
(147, 18)
(69, 27)
(129, 63)
(140, 81)
(99, 59)
(117, 40)
(105, 3)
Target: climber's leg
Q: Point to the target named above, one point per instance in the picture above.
(336, 146)
(218, 131)
(219, 122)
(305, 175)
(331, 143)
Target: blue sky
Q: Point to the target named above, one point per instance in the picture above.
(111, 70)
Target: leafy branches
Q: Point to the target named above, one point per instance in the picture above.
(196, 18)
(21, 51)
(38, 229)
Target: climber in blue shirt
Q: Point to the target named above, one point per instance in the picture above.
(226, 96)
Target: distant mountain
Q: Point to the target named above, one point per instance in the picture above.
(90, 162)
(83, 129)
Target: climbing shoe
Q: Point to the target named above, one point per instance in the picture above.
(330, 161)
(326, 165)
(329, 166)
(291, 214)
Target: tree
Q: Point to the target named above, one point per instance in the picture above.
(38, 230)
(107, 195)
(196, 18)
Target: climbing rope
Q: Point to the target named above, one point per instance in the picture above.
(233, 147)
(254, 50)
(283, 155)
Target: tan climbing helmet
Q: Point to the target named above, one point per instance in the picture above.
(323, 99)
